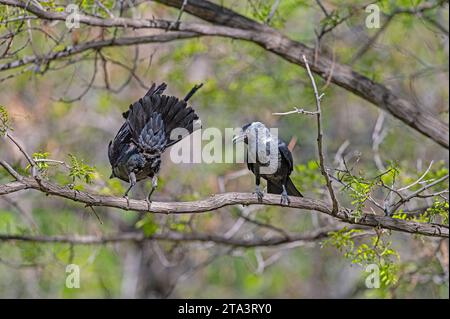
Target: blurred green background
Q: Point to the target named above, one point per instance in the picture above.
(52, 111)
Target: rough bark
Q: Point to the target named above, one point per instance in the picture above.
(221, 200)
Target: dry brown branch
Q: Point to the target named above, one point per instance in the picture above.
(221, 200)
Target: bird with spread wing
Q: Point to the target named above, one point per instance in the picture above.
(135, 152)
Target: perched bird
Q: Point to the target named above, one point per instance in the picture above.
(268, 157)
(135, 152)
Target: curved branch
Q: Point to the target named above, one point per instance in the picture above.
(221, 200)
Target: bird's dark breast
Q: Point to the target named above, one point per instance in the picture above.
(149, 170)
(282, 169)
(136, 162)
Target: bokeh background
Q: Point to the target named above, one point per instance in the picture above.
(74, 107)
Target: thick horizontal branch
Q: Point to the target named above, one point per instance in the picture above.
(221, 200)
(216, 14)
(175, 237)
(233, 25)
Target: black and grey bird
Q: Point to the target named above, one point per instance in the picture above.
(270, 158)
(135, 152)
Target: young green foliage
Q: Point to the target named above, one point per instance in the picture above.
(376, 251)
(331, 20)
(41, 165)
(80, 170)
(5, 123)
(438, 213)
(308, 175)
(148, 225)
(359, 189)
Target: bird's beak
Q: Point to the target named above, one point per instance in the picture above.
(239, 138)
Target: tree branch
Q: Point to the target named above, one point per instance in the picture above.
(175, 237)
(96, 45)
(320, 139)
(419, 191)
(221, 200)
(342, 75)
(236, 26)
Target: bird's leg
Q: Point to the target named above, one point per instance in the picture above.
(284, 197)
(132, 179)
(154, 186)
(258, 190)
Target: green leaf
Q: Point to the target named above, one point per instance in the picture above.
(148, 225)
(5, 123)
(80, 170)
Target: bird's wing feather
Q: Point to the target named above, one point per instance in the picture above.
(137, 119)
(251, 167)
(121, 142)
(286, 155)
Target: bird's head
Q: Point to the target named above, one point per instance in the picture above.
(249, 130)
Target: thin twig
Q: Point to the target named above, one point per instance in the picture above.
(319, 139)
(180, 13)
(417, 193)
(295, 111)
(378, 136)
(10, 170)
(418, 180)
(273, 10)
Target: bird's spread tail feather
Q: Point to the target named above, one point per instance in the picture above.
(174, 114)
(154, 90)
(192, 91)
